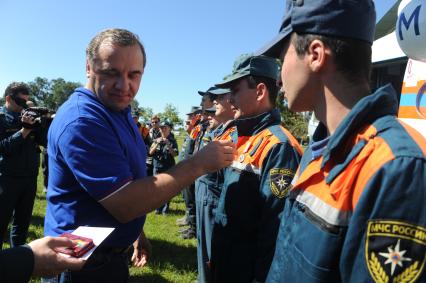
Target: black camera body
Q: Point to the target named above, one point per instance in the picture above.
(39, 114)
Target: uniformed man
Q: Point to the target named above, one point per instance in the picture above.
(252, 197)
(186, 151)
(356, 211)
(210, 185)
(19, 163)
(197, 135)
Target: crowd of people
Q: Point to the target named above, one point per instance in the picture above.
(351, 208)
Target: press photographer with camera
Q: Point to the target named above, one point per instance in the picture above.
(21, 133)
(163, 151)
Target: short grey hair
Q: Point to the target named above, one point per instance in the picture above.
(121, 37)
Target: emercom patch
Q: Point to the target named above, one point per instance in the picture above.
(395, 251)
(280, 181)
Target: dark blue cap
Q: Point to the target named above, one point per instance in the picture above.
(194, 110)
(215, 91)
(166, 123)
(252, 65)
(354, 19)
(210, 110)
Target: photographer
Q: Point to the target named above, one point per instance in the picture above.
(20, 137)
(163, 151)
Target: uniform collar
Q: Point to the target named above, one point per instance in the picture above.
(253, 125)
(381, 103)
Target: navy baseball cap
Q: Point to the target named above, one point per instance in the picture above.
(210, 110)
(354, 19)
(260, 65)
(215, 91)
(194, 110)
(166, 123)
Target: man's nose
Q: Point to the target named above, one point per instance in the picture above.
(122, 83)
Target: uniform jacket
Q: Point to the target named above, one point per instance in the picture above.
(357, 212)
(19, 156)
(247, 215)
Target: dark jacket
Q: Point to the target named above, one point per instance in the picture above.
(16, 264)
(19, 156)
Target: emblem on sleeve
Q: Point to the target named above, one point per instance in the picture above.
(280, 181)
(395, 251)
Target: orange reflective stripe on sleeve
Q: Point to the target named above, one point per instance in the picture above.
(335, 202)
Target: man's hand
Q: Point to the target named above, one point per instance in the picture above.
(142, 250)
(26, 119)
(216, 155)
(47, 262)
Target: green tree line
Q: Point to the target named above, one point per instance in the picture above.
(52, 93)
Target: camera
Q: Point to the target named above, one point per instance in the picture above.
(40, 116)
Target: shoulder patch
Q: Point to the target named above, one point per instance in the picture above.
(395, 251)
(280, 180)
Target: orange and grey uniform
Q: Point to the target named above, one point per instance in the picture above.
(252, 198)
(356, 212)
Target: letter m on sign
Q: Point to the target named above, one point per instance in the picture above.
(403, 21)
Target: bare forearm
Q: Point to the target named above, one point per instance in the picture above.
(144, 195)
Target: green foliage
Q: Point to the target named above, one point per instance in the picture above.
(53, 93)
(145, 112)
(170, 114)
(294, 122)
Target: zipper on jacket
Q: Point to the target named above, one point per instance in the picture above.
(318, 221)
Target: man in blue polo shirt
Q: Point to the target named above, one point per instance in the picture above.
(97, 173)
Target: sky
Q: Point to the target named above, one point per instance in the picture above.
(190, 44)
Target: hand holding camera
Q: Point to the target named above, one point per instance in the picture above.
(32, 117)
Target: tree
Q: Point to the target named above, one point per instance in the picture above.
(40, 90)
(144, 112)
(294, 122)
(51, 94)
(170, 114)
(61, 90)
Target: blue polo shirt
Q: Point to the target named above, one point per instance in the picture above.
(93, 152)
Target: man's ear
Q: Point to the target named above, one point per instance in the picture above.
(317, 55)
(8, 98)
(88, 68)
(261, 91)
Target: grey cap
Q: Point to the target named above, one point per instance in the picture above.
(260, 65)
(343, 18)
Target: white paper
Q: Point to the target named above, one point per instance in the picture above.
(97, 234)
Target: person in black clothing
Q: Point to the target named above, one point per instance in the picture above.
(163, 150)
(19, 162)
(154, 133)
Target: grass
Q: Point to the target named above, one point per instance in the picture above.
(173, 259)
